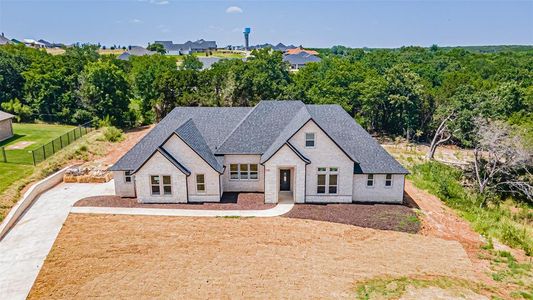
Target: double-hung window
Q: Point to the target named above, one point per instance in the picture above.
(127, 176)
(370, 180)
(157, 185)
(327, 180)
(309, 140)
(200, 183)
(388, 180)
(243, 171)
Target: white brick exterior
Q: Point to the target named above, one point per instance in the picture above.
(194, 163)
(379, 192)
(6, 129)
(285, 158)
(251, 185)
(325, 154)
(159, 165)
(123, 188)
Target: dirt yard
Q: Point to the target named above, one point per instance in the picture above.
(147, 257)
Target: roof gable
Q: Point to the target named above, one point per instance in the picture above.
(169, 157)
(194, 139)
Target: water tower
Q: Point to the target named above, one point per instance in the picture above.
(246, 37)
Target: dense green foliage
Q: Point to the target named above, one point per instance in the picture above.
(507, 224)
(396, 92)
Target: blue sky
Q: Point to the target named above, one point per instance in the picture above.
(372, 23)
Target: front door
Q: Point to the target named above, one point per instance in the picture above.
(284, 180)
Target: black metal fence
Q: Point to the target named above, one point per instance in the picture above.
(43, 152)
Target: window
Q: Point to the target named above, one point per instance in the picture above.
(127, 176)
(327, 180)
(388, 180)
(253, 172)
(200, 183)
(156, 185)
(244, 171)
(309, 140)
(167, 185)
(234, 171)
(321, 184)
(370, 180)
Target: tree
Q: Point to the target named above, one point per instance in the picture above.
(145, 71)
(191, 62)
(157, 48)
(501, 162)
(104, 92)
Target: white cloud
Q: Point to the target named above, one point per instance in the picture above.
(137, 21)
(234, 10)
(158, 2)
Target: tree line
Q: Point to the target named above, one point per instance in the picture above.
(406, 92)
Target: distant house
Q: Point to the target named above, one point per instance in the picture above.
(6, 125)
(135, 51)
(278, 47)
(33, 43)
(297, 61)
(188, 47)
(300, 50)
(4, 40)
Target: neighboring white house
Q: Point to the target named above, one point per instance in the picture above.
(6, 125)
(284, 149)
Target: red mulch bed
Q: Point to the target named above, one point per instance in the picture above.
(397, 217)
(229, 201)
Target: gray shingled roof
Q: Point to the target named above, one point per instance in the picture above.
(301, 58)
(192, 137)
(214, 123)
(5, 116)
(262, 130)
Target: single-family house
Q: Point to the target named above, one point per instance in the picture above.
(299, 50)
(6, 125)
(188, 47)
(135, 51)
(297, 61)
(285, 149)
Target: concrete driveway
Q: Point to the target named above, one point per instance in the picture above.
(24, 249)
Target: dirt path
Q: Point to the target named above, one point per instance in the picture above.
(165, 257)
(440, 221)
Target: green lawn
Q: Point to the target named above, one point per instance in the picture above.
(10, 173)
(38, 134)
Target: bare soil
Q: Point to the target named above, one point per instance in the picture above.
(229, 201)
(378, 216)
(171, 257)
(19, 145)
(440, 221)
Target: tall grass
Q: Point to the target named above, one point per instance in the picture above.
(492, 221)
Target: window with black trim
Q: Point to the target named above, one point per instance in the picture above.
(200, 183)
(127, 176)
(327, 180)
(309, 140)
(157, 185)
(244, 171)
(388, 180)
(370, 180)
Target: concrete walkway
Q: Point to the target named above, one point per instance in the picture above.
(278, 210)
(24, 248)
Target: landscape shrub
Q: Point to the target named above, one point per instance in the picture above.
(113, 134)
